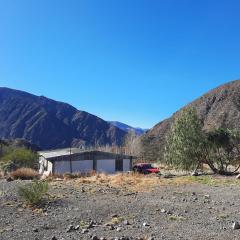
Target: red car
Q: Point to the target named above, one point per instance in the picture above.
(145, 168)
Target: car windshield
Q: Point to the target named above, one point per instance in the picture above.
(147, 166)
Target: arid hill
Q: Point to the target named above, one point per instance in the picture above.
(51, 124)
(218, 108)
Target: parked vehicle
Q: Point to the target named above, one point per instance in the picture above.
(145, 168)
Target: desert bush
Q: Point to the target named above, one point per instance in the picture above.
(25, 174)
(18, 158)
(34, 192)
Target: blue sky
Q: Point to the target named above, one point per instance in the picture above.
(135, 61)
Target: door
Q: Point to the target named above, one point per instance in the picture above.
(119, 165)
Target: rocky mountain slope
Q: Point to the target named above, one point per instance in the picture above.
(127, 128)
(51, 124)
(218, 108)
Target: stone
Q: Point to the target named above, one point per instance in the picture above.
(90, 225)
(111, 227)
(194, 174)
(119, 229)
(95, 237)
(163, 211)
(84, 231)
(9, 179)
(236, 226)
(145, 224)
(54, 238)
(70, 228)
(77, 227)
(125, 222)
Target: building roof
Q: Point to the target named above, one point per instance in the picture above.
(76, 151)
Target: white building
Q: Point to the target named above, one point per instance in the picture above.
(76, 161)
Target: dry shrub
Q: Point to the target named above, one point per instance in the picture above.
(25, 174)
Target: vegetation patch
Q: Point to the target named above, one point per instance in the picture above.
(176, 218)
(212, 180)
(34, 192)
(12, 158)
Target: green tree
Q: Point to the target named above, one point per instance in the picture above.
(185, 142)
(17, 158)
(188, 146)
(223, 150)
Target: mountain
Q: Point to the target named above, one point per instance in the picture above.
(22, 143)
(218, 108)
(52, 124)
(127, 128)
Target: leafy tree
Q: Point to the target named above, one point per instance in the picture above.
(223, 150)
(184, 143)
(17, 158)
(188, 146)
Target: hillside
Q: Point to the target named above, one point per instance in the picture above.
(218, 108)
(127, 128)
(52, 124)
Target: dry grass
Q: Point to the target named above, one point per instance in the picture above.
(211, 180)
(128, 181)
(69, 176)
(135, 182)
(143, 183)
(25, 174)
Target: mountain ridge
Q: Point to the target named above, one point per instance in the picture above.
(219, 107)
(52, 124)
(127, 128)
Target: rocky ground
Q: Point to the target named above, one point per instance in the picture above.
(77, 210)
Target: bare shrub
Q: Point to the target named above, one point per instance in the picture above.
(25, 174)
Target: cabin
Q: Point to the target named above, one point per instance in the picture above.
(74, 160)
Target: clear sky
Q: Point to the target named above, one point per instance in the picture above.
(135, 61)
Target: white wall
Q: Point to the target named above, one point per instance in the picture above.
(44, 166)
(106, 166)
(82, 166)
(62, 167)
(126, 165)
(50, 166)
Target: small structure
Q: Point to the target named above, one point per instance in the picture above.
(76, 161)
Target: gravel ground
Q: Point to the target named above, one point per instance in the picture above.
(191, 211)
